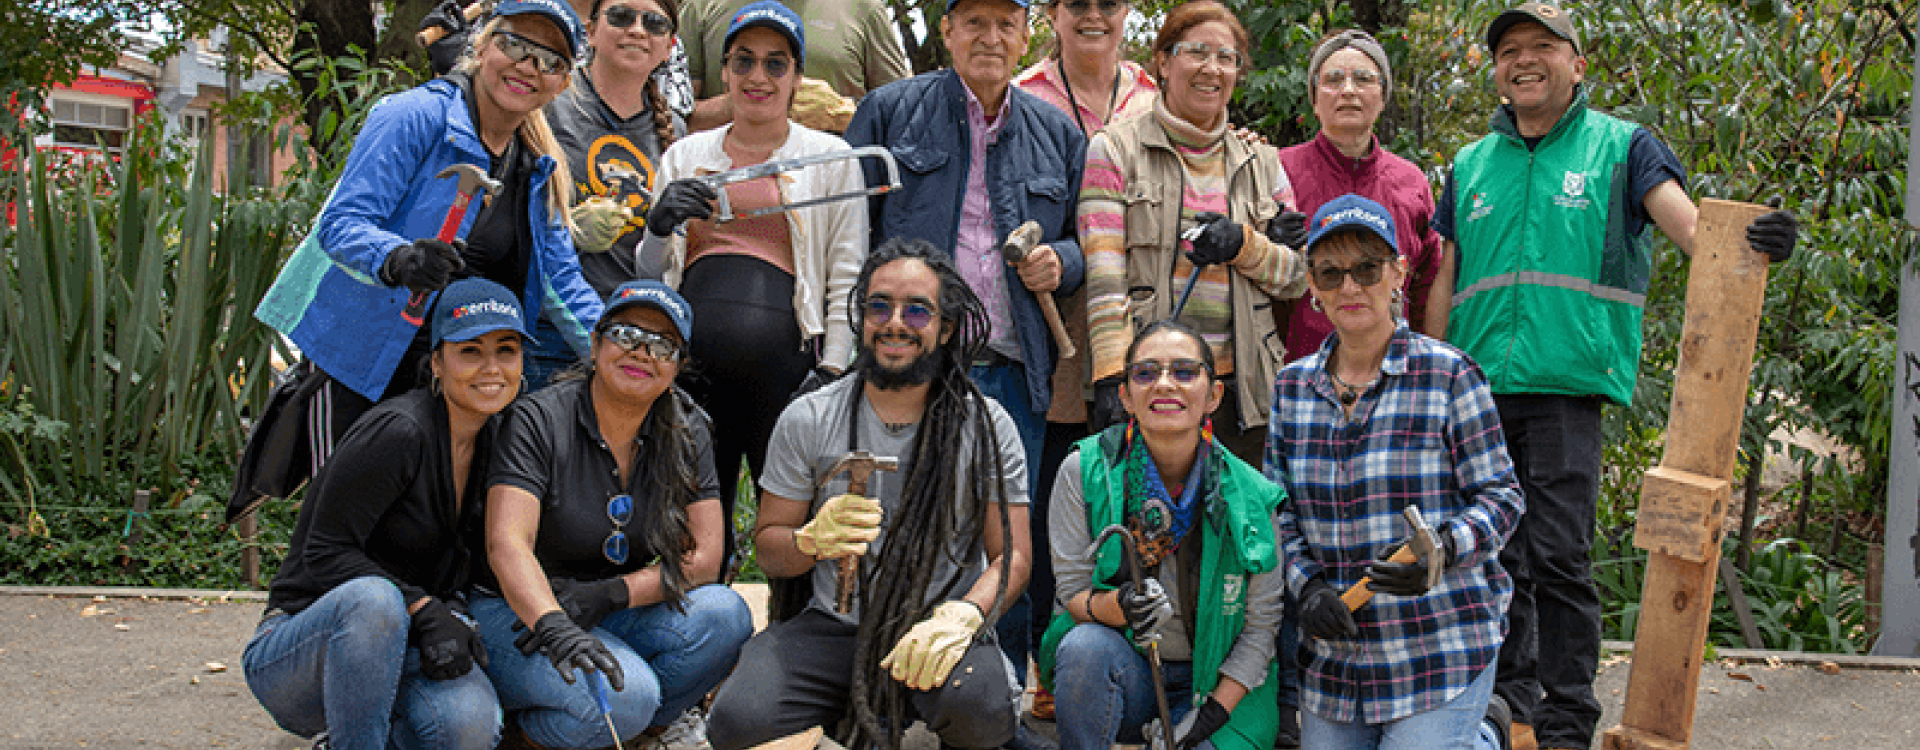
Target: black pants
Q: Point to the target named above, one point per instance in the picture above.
(1552, 651)
(799, 673)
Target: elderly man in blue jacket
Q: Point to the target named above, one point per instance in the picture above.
(979, 157)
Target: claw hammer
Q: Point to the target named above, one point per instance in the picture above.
(472, 180)
(1019, 243)
(859, 466)
(1422, 544)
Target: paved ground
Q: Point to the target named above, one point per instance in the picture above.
(128, 672)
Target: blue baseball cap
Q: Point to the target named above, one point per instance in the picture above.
(657, 296)
(471, 308)
(955, 5)
(1349, 211)
(558, 11)
(773, 15)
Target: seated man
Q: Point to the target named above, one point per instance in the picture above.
(936, 539)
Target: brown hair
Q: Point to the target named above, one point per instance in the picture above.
(656, 101)
(1182, 20)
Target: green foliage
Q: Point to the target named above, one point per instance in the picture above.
(42, 46)
(1800, 603)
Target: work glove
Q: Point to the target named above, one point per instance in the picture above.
(1322, 613)
(1192, 729)
(682, 199)
(1218, 241)
(445, 52)
(1774, 234)
(598, 220)
(1146, 607)
(570, 648)
(842, 528)
(926, 654)
(1290, 229)
(423, 266)
(449, 647)
(1107, 410)
(587, 602)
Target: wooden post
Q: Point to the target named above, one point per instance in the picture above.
(1684, 500)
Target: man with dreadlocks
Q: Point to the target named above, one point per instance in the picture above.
(941, 544)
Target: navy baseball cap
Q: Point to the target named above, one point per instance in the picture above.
(558, 11)
(773, 15)
(1349, 211)
(657, 296)
(471, 308)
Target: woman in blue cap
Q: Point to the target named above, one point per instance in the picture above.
(603, 530)
(354, 293)
(770, 292)
(1378, 419)
(364, 637)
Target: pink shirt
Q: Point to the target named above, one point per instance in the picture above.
(977, 250)
(1135, 95)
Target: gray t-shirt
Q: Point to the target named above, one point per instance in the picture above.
(811, 437)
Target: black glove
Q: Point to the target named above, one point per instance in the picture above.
(1404, 579)
(449, 647)
(1322, 613)
(1774, 234)
(816, 379)
(424, 266)
(1219, 241)
(1290, 229)
(680, 200)
(445, 52)
(1106, 411)
(1146, 607)
(570, 648)
(1199, 724)
(587, 602)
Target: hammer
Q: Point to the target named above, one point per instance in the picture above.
(859, 466)
(472, 180)
(1422, 544)
(1131, 552)
(1019, 243)
(431, 34)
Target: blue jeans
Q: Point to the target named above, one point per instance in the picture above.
(1007, 384)
(342, 665)
(1459, 724)
(670, 661)
(547, 355)
(1103, 689)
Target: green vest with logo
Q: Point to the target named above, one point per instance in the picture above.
(1551, 286)
(1237, 541)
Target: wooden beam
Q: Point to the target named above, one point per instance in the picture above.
(1726, 287)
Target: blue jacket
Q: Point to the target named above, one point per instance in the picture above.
(329, 299)
(1033, 173)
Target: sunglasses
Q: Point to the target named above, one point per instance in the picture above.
(915, 315)
(1365, 273)
(623, 16)
(633, 338)
(1333, 79)
(1107, 8)
(1184, 371)
(518, 48)
(742, 64)
(619, 511)
(1200, 53)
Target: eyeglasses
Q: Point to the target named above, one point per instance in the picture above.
(633, 338)
(1365, 273)
(1107, 8)
(619, 511)
(1184, 371)
(623, 16)
(915, 315)
(1333, 79)
(742, 64)
(1200, 53)
(518, 48)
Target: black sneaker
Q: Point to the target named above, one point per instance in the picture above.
(1500, 716)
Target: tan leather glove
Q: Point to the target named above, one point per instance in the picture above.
(598, 221)
(816, 105)
(927, 653)
(842, 528)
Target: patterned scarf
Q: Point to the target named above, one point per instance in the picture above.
(1158, 521)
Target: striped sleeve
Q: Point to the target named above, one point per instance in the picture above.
(1103, 239)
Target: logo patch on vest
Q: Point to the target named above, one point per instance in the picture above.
(1480, 207)
(1573, 190)
(1233, 591)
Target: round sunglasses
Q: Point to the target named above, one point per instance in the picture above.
(623, 16)
(915, 315)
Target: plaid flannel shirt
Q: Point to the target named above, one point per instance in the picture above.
(1426, 433)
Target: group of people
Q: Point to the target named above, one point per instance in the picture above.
(1291, 364)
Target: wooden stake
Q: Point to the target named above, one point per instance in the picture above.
(1725, 290)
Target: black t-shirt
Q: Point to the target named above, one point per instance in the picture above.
(1649, 163)
(383, 506)
(550, 446)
